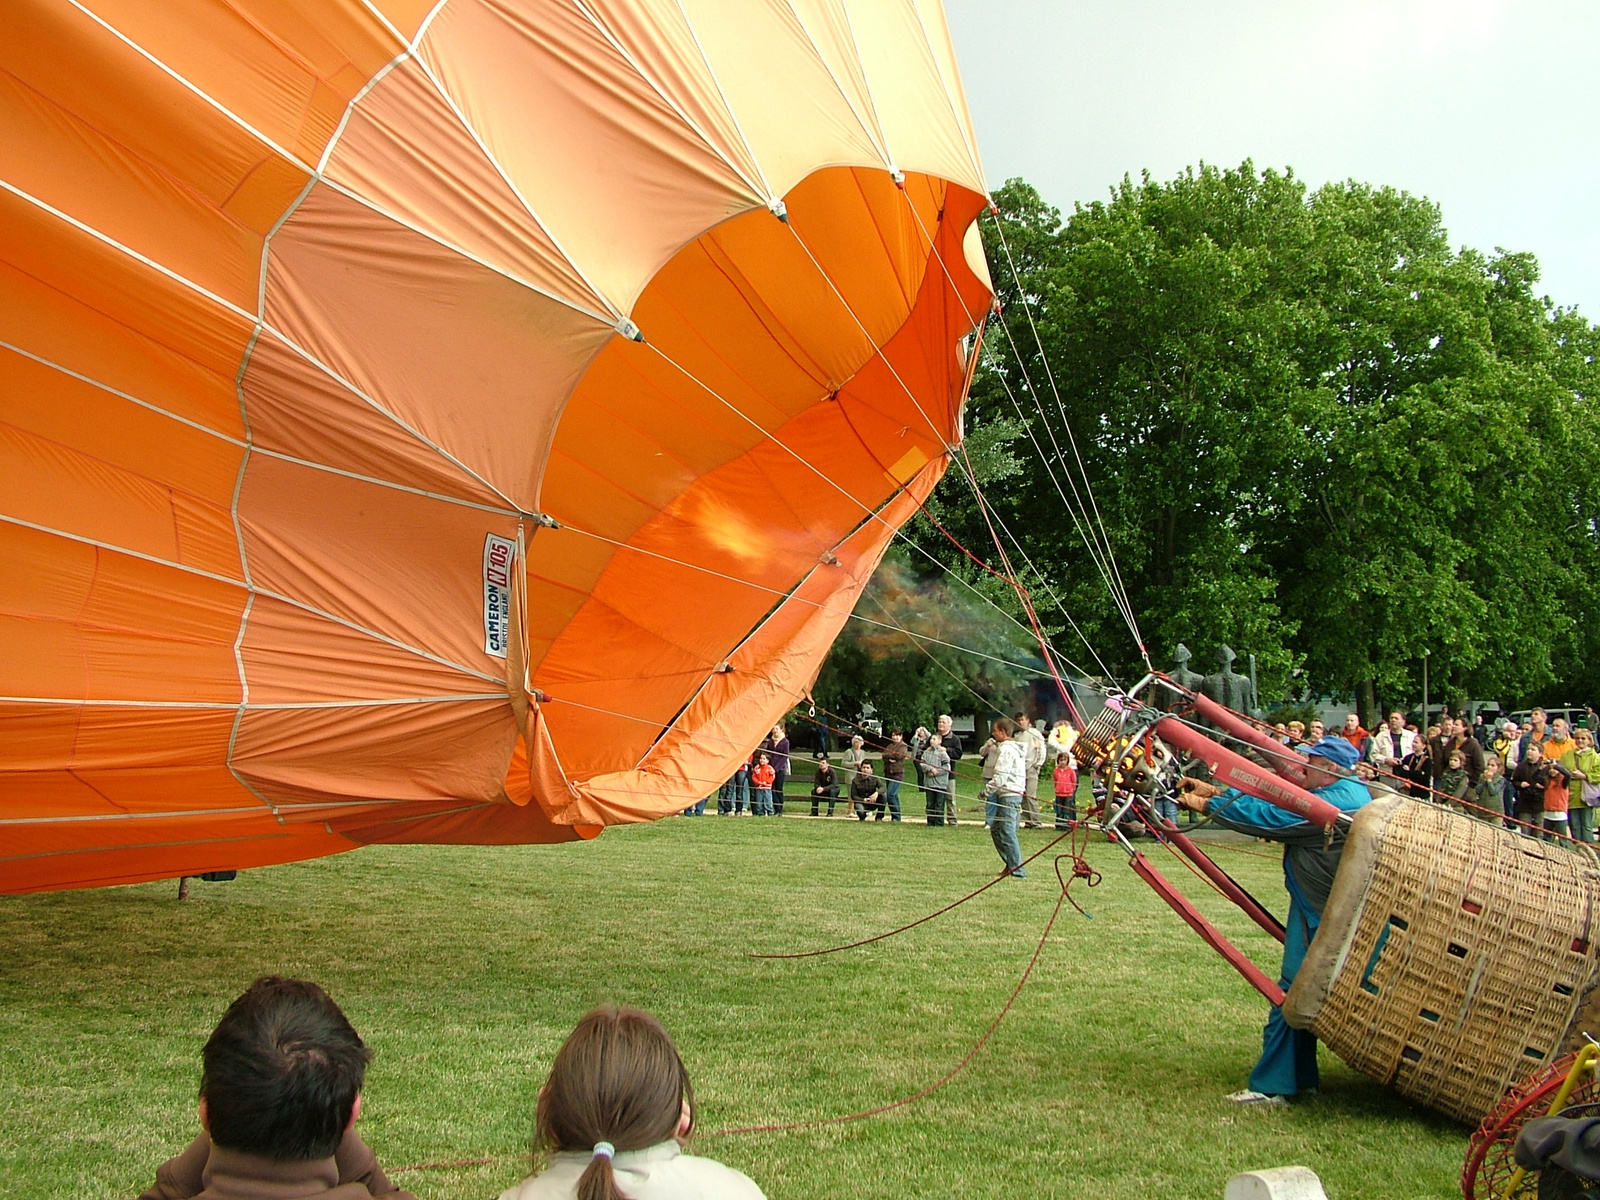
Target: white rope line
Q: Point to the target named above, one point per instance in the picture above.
(761, 587)
(1027, 427)
(1072, 440)
(1093, 548)
(179, 814)
(766, 188)
(282, 598)
(252, 706)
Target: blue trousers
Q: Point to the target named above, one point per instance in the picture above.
(1288, 1062)
(891, 793)
(762, 804)
(1003, 830)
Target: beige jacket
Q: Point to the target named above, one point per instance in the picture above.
(662, 1172)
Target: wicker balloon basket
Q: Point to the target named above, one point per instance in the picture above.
(1454, 956)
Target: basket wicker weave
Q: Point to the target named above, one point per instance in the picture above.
(1454, 956)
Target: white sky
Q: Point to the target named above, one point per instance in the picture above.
(1488, 107)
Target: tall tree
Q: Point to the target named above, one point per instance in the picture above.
(1312, 429)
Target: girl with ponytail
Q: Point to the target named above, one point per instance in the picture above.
(615, 1113)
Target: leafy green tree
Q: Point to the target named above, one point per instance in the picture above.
(1313, 430)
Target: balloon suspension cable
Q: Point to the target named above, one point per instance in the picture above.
(1099, 548)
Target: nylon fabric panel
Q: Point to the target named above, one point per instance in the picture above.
(45, 858)
(656, 37)
(90, 737)
(914, 107)
(86, 623)
(65, 162)
(71, 336)
(66, 56)
(788, 102)
(937, 30)
(405, 566)
(300, 410)
(405, 150)
(732, 713)
(607, 166)
(287, 69)
(296, 657)
(827, 24)
(480, 825)
(110, 281)
(478, 364)
(431, 751)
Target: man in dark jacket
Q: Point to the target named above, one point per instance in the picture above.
(280, 1091)
(951, 741)
(866, 793)
(824, 786)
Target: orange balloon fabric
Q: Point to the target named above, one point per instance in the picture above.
(450, 422)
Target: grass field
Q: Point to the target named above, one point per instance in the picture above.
(465, 967)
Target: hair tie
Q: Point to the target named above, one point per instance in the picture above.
(604, 1150)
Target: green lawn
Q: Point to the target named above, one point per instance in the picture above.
(465, 967)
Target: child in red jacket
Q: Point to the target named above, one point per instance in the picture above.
(762, 778)
(1066, 777)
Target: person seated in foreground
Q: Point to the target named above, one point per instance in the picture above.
(616, 1111)
(280, 1091)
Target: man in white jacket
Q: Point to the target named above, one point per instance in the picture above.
(1392, 743)
(1033, 749)
(1007, 785)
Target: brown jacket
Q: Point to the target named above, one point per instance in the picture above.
(207, 1172)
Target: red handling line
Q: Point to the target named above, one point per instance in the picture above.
(1224, 882)
(1209, 932)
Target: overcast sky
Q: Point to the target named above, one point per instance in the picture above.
(1491, 108)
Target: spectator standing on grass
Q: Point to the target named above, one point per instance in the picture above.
(1356, 735)
(1065, 778)
(1033, 744)
(1391, 743)
(894, 770)
(1416, 768)
(777, 748)
(1530, 780)
(1297, 732)
(1583, 765)
(615, 1112)
(1535, 733)
(1559, 743)
(1005, 786)
(741, 786)
(988, 753)
(824, 786)
(866, 793)
(1063, 737)
(1471, 751)
(850, 761)
(280, 1093)
(761, 777)
(1453, 782)
(950, 740)
(1317, 732)
(1504, 743)
(1557, 818)
(936, 778)
(1493, 792)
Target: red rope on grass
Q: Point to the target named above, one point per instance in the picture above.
(1038, 949)
(920, 920)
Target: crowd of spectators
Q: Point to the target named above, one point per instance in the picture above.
(1539, 776)
(866, 780)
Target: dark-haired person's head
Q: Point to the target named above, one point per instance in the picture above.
(282, 1072)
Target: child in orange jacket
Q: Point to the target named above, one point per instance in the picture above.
(761, 780)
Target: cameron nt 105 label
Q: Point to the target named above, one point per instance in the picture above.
(498, 556)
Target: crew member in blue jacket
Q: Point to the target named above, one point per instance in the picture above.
(1288, 1064)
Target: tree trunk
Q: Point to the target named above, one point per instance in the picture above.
(1367, 703)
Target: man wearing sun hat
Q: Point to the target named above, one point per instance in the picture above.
(1288, 1063)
